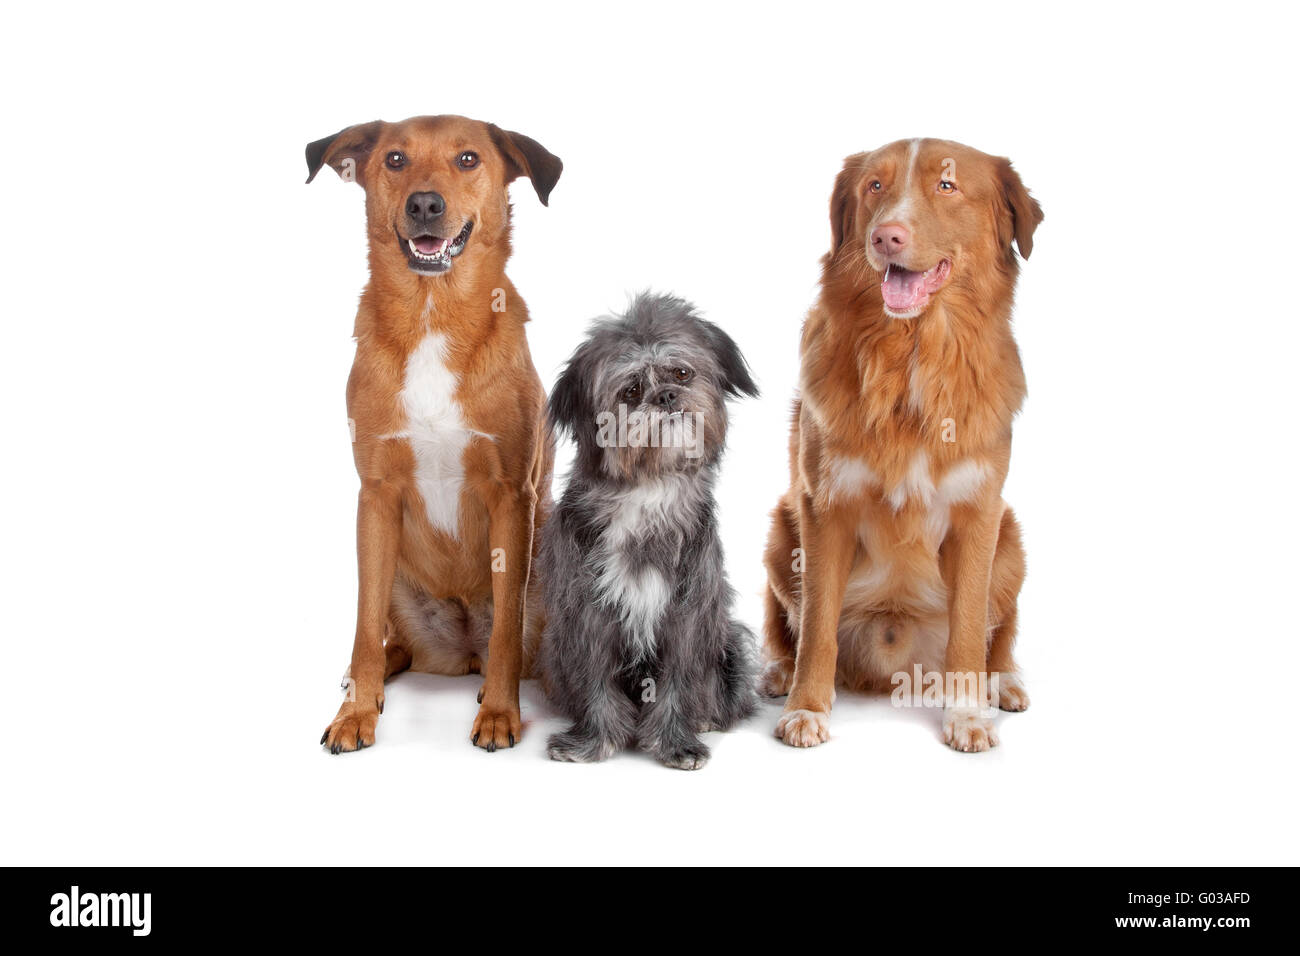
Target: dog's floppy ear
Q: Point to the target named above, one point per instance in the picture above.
(568, 405)
(844, 202)
(526, 157)
(732, 367)
(1026, 214)
(345, 152)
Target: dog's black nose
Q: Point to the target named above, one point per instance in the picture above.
(667, 399)
(423, 209)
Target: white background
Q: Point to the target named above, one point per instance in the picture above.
(178, 492)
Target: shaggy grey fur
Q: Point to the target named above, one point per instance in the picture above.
(639, 646)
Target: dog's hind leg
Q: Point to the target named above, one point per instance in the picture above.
(436, 635)
(778, 648)
(736, 678)
(780, 605)
(1006, 689)
(397, 656)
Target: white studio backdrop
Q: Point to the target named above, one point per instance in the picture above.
(179, 495)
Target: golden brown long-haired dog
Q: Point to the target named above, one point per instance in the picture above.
(893, 547)
(450, 438)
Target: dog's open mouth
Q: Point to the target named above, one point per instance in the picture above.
(431, 255)
(907, 293)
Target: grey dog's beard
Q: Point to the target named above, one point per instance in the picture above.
(631, 464)
(683, 443)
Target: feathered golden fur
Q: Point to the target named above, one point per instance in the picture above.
(893, 546)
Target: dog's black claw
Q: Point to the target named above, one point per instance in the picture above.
(381, 706)
(491, 747)
(480, 695)
(512, 740)
(325, 735)
(474, 740)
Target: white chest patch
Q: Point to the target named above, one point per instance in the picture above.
(875, 580)
(960, 483)
(641, 595)
(436, 430)
(848, 478)
(916, 484)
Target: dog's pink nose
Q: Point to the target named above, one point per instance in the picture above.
(890, 239)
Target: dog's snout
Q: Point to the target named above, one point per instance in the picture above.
(666, 399)
(424, 208)
(890, 239)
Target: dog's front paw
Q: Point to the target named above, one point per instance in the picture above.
(569, 747)
(776, 678)
(496, 727)
(690, 757)
(1007, 691)
(966, 730)
(804, 728)
(352, 729)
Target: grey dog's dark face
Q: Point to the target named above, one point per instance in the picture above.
(646, 393)
(658, 410)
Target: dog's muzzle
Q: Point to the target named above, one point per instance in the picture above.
(431, 255)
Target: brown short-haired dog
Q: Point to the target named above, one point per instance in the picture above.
(450, 439)
(893, 547)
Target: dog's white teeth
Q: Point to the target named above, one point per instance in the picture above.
(887, 268)
(427, 256)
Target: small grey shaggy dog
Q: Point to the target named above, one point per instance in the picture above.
(639, 645)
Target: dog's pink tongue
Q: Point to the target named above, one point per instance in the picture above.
(902, 289)
(427, 245)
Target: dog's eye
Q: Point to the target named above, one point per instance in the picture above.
(467, 160)
(632, 393)
(682, 374)
(875, 186)
(396, 159)
(945, 186)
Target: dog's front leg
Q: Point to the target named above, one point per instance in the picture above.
(670, 718)
(968, 567)
(510, 536)
(828, 541)
(379, 532)
(605, 725)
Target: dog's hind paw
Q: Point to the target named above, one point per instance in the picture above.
(804, 728)
(352, 729)
(1007, 691)
(776, 678)
(965, 730)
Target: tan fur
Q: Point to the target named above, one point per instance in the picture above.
(405, 562)
(895, 572)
